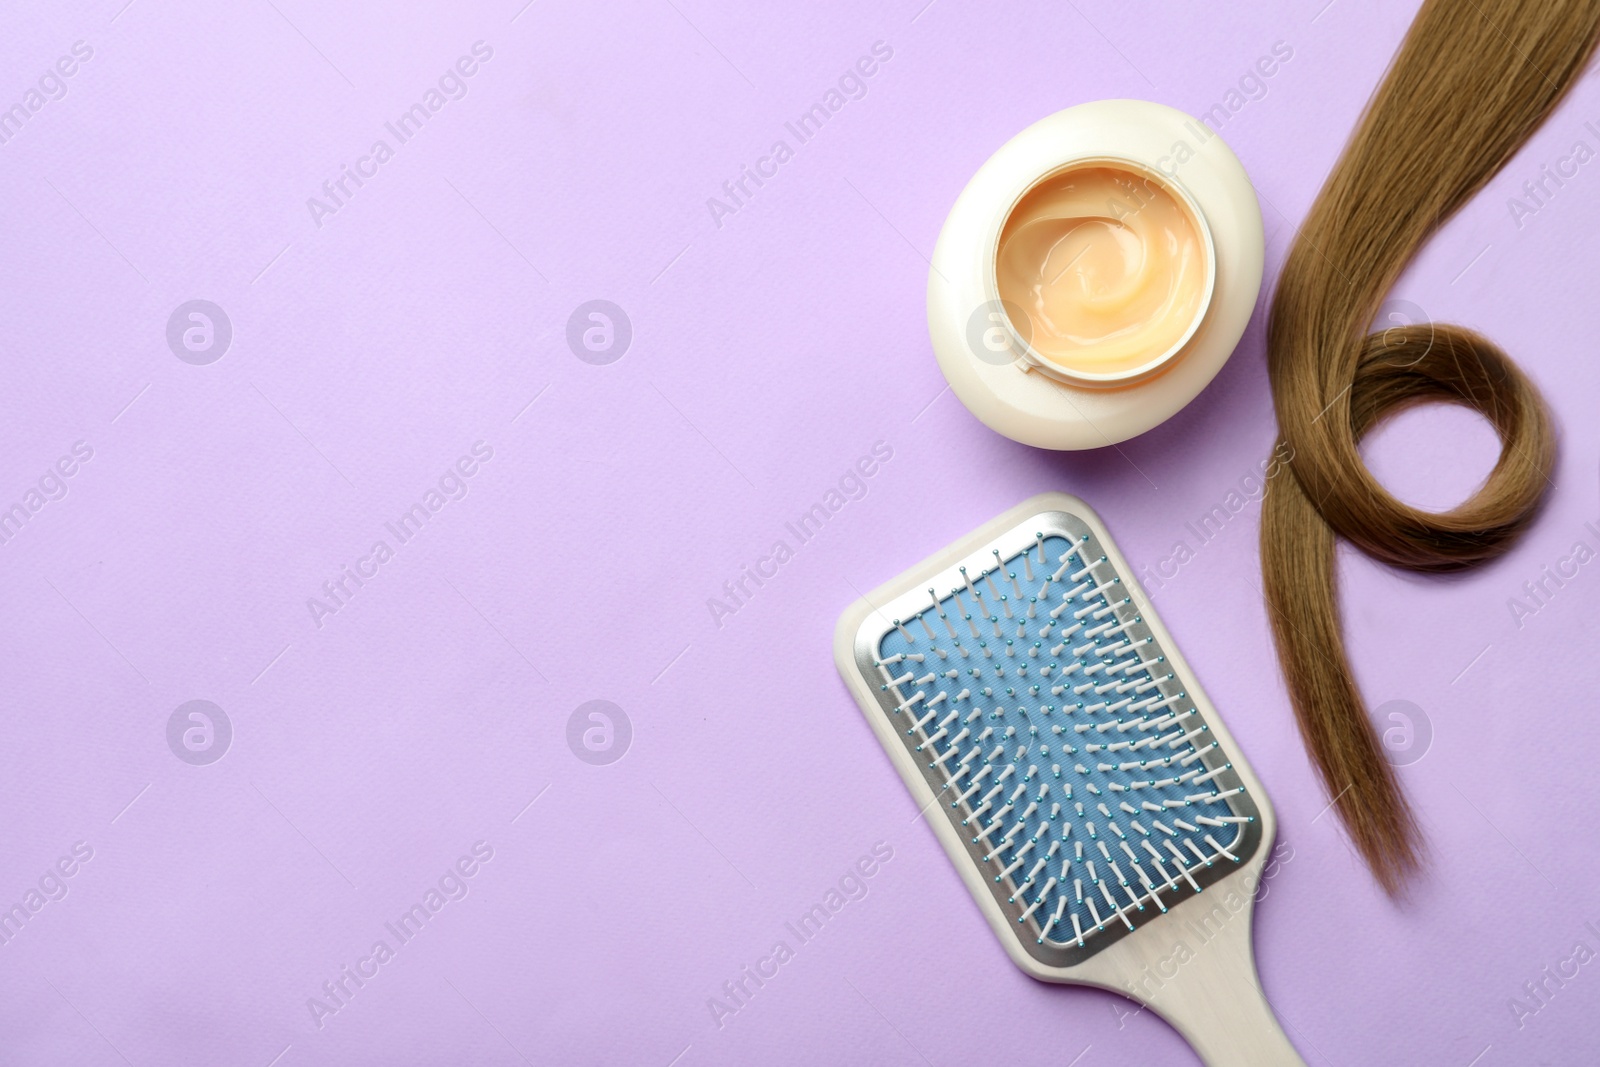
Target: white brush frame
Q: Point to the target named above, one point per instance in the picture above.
(1209, 992)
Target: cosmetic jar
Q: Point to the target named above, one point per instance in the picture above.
(1095, 274)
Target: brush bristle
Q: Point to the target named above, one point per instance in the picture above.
(1062, 744)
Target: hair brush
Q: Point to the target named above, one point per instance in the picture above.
(1087, 792)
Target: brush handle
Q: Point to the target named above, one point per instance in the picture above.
(1213, 997)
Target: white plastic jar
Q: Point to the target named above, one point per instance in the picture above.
(984, 345)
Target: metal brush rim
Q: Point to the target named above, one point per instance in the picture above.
(906, 605)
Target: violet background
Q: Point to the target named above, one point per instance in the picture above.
(768, 355)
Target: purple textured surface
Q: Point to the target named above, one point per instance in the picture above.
(380, 337)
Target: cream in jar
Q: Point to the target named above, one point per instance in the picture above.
(1111, 268)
